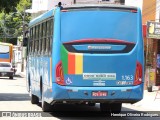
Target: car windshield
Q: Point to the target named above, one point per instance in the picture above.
(5, 65)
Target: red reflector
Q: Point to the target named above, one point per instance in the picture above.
(138, 74)
(96, 40)
(64, 10)
(134, 11)
(59, 74)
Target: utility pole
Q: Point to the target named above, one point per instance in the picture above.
(23, 25)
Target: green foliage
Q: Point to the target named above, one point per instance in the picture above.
(11, 23)
(8, 5)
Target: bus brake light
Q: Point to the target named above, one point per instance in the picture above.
(59, 74)
(138, 74)
(134, 11)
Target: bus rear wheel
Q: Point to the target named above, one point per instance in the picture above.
(34, 99)
(116, 107)
(46, 107)
(105, 107)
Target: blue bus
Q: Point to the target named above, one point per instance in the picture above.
(86, 54)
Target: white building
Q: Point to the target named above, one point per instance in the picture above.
(136, 3)
(41, 6)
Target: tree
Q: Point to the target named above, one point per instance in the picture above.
(8, 5)
(11, 24)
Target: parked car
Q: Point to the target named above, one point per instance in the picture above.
(6, 70)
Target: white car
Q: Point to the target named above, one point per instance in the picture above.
(6, 70)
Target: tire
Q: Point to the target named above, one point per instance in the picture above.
(46, 107)
(91, 104)
(105, 108)
(149, 89)
(34, 99)
(11, 77)
(115, 107)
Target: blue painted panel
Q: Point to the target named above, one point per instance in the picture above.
(119, 64)
(73, 93)
(41, 17)
(4, 55)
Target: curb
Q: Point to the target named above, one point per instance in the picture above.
(20, 75)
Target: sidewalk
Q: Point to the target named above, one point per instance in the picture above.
(149, 101)
(19, 73)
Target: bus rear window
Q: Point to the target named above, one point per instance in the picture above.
(76, 25)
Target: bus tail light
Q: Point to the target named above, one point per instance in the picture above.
(134, 11)
(138, 74)
(59, 74)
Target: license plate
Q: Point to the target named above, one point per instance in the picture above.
(99, 94)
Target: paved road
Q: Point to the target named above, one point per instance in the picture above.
(14, 97)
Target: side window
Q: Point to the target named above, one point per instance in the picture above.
(47, 37)
(37, 39)
(33, 41)
(51, 36)
(44, 38)
(41, 38)
(39, 50)
(30, 48)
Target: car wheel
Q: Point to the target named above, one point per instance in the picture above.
(11, 77)
(149, 89)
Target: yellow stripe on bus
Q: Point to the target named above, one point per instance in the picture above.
(79, 63)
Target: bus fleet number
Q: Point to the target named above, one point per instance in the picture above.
(127, 77)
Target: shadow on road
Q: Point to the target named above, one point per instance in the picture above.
(85, 112)
(14, 97)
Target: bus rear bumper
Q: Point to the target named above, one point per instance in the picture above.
(130, 94)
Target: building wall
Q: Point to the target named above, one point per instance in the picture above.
(41, 6)
(158, 11)
(136, 3)
(148, 10)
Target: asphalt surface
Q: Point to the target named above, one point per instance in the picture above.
(15, 100)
